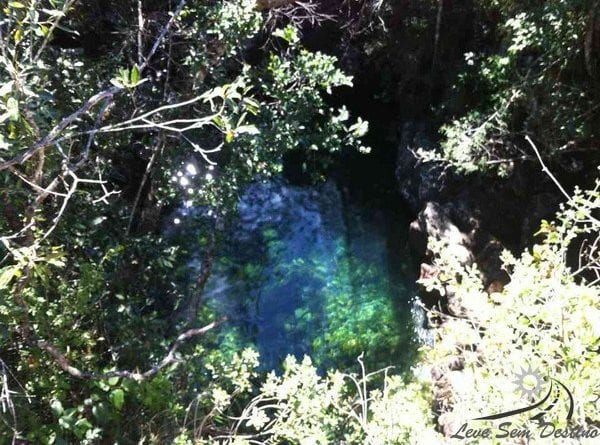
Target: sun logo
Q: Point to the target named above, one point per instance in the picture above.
(529, 382)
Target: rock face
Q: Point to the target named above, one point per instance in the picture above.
(476, 216)
(434, 222)
(419, 183)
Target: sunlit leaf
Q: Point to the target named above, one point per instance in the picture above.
(117, 398)
(135, 76)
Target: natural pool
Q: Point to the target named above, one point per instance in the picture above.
(304, 271)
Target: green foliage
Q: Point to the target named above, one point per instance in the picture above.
(86, 266)
(545, 318)
(326, 290)
(539, 81)
(293, 84)
(355, 314)
(301, 407)
(127, 78)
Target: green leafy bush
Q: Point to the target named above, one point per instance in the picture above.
(91, 152)
(539, 80)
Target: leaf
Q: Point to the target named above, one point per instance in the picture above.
(16, 5)
(229, 136)
(117, 397)
(100, 412)
(135, 76)
(3, 144)
(64, 424)
(7, 275)
(113, 381)
(219, 121)
(68, 30)
(6, 88)
(251, 105)
(44, 30)
(360, 128)
(81, 426)
(18, 35)
(53, 12)
(12, 108)
(124, 75)
(289, 34)
(56, 262)
(57, 408)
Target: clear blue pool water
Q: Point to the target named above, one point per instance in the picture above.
(305, 272)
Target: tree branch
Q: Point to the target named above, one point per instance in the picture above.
(156, 149)
(50, 138)
(167, 360)
(546, 169)
(107, 94)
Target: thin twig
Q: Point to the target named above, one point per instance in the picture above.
(546, 170)
(140, 33)
(51, 136)
(162, 34)
(157, 148)
(55, 24)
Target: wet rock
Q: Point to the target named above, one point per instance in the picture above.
(495, 287)
(436, 373)
(456, 362)
(434, 223)
(443, 397)
(477, 217)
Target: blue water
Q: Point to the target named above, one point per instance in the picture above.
(305, 272)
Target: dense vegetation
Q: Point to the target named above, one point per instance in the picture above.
(114, 113)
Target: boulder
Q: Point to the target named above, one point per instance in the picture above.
(434, 223)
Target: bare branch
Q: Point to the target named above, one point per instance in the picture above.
(296, 12)
(269, 4)
(43, 190)
(129, 124)
(140, 33)
(107, 193)
(64, 363)
(162, 34)
(168, 359)
(6, 402)
(546, 170)
(50, 32)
